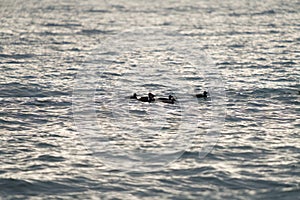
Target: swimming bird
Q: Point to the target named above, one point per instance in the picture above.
(171, 99)
(204, 95)
(134, 96)
(149, 98)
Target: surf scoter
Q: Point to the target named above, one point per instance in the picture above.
(149, 98)
(134, 96)
(204, 95)
(171, 99)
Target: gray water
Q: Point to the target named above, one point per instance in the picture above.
(48, 152)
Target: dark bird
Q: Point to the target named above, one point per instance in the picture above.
(170, 100)
(204, 95)
(149, 98)
(134, 96)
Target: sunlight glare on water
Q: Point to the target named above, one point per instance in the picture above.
(146, 60)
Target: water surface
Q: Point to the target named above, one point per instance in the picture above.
(255, 45)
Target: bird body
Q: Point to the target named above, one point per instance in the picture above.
(204, 95)
(170, 100)
(134, 96)
(149, 98)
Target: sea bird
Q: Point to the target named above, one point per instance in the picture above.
(204, 95)
(134, 96)
(170, 100)
(149, 98)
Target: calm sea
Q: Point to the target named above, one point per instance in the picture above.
(69, 130)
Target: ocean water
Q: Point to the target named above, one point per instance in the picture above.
(69, 131)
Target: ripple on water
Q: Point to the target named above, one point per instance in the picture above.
(25, 188)
(50, 158)
(255, 44)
